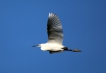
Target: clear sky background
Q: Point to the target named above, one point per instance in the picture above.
(23, 23)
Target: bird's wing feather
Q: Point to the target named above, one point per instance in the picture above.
(54, 29)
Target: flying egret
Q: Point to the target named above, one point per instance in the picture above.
(55, 36)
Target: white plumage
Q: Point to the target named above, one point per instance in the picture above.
(55, 36)
(52, 47)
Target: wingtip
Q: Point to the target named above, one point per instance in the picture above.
(51, 14)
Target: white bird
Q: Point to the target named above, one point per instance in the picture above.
(55, 36)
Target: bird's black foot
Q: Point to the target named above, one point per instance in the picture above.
(76, 50)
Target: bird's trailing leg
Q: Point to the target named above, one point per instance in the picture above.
(75, 50)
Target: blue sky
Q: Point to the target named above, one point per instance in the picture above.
(23, 24)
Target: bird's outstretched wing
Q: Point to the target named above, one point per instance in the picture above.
(54, 29)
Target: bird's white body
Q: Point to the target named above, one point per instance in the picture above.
(55, 36)
(51, 47)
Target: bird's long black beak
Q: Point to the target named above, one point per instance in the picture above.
(35, 45)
